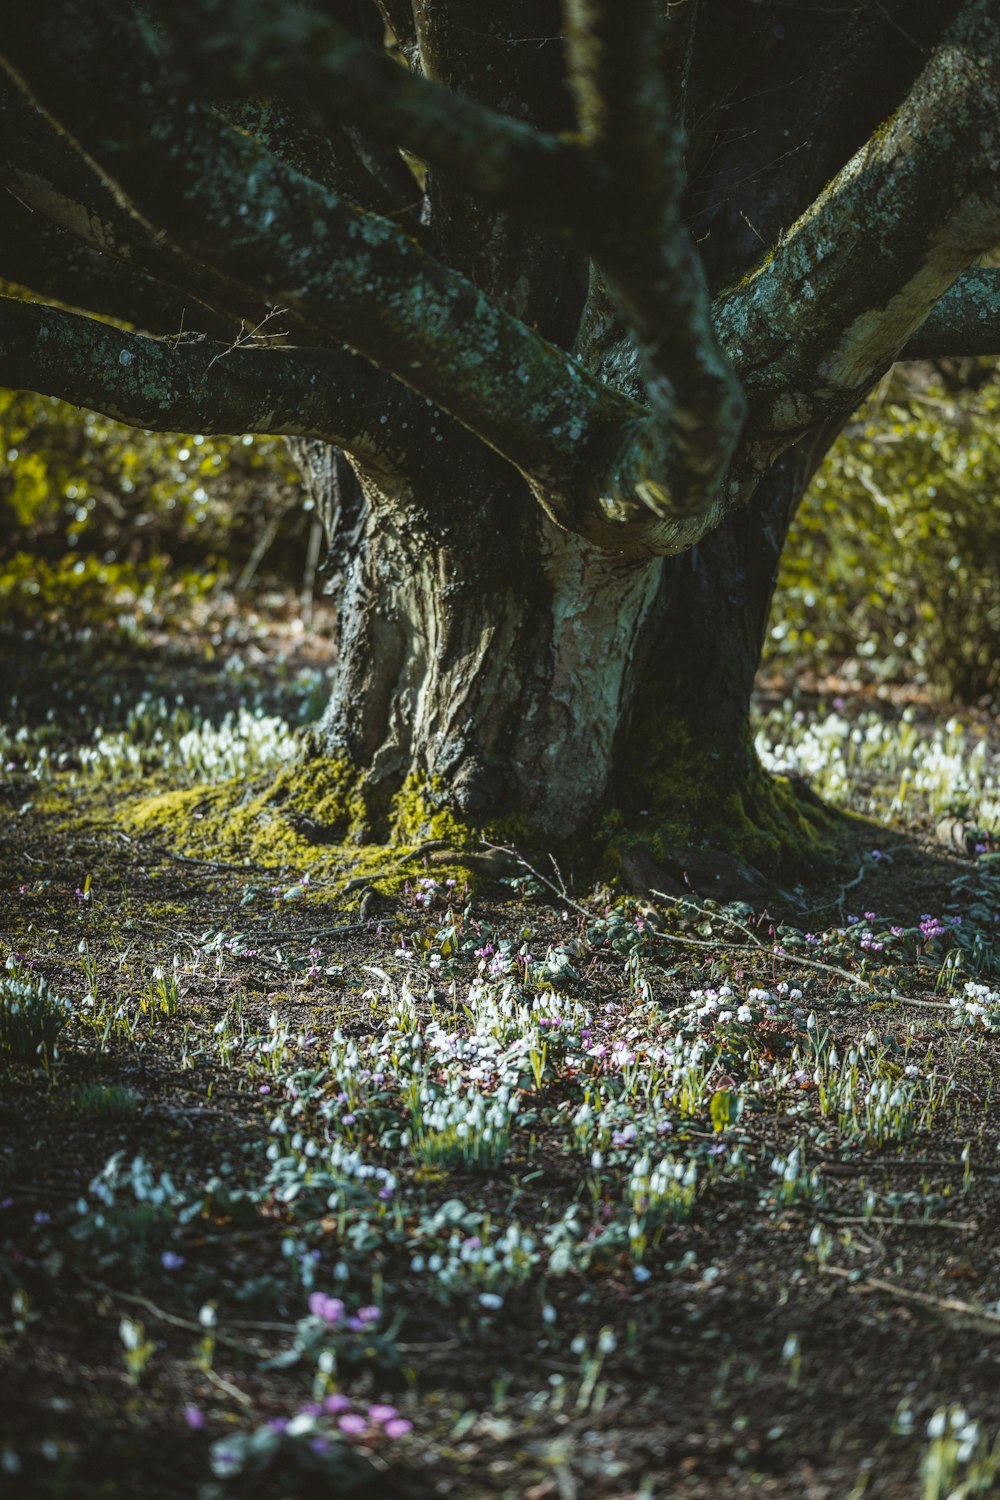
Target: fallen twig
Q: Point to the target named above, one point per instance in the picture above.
(172, 1319)
(887, 1220)
(753, 946)
(520, 859)
(987, 1321)
(228, 1388)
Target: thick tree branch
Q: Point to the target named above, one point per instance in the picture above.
(196, 384)
(621, 199)
(225, 201)
(540, 277)
(265, 45)
(40, 257)
(776, 112)
(963, 323)
(615, 50)
(329, 156)
(863, 267)
(46, 171)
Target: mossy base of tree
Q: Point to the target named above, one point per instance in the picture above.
(773, 825)
(675, 794)
(314, 816)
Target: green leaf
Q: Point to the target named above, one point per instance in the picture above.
(725, 1109)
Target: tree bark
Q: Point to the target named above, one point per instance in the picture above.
(686, 770)
(483, 666)
(515, 681)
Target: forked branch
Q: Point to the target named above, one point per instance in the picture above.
(189, 383)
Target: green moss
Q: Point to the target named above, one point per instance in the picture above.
(680, 795)
(316, 816)
(420, 811)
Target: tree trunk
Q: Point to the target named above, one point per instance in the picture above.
(498, 673)
(686, 770)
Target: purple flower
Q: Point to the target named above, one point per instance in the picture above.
(353, 1424)
(382, 1414)
(337, 1403)
(398, 1427)
(171, 1261)
(330, 1309)
(194, 1417)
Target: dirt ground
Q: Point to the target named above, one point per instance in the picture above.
(761, 1358)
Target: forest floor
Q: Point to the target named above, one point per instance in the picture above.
(526, 1193)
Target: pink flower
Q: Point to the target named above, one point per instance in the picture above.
(382, 1414)
(398, 1427)
(330, 1309)
(194, 1417)
(335, 1404)
(353, 1424)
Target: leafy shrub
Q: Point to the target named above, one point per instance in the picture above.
(97, 518)
(896, 549)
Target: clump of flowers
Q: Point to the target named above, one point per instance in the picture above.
(330, 1338)
(334, 1440)
(979, 1006)
(31, 1016)
(331, 1438)
(767, 1023)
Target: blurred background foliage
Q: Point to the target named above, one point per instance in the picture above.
(894, 557)
(892, 563)
(106, 527)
